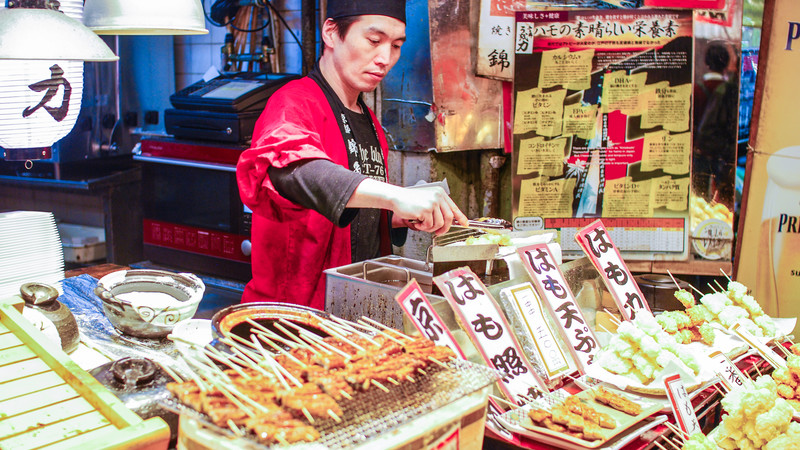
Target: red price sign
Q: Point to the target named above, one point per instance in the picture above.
(597, 244)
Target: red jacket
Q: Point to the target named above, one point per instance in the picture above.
(292, 245)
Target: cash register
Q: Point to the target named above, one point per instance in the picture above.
(223, 109)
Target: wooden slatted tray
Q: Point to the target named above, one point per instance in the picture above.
(46, 399)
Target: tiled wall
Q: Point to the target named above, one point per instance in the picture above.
(195, 54)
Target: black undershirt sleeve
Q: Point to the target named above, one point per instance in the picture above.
(319, 184)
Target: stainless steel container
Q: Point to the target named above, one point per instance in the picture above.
(368, 288)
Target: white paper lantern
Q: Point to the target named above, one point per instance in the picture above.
(40, 100)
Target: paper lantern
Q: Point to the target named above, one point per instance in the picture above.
(39, 99)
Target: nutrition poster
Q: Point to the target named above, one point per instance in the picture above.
(602, 126)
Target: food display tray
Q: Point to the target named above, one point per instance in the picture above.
(371, 414)
(47, 400)
(628, 427)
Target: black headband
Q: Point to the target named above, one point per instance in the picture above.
(345, 8)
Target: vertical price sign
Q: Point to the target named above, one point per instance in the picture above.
(419, 309)
(597, 244)
(728, 373)
(681, 405)
(489, 330)
(560, 301)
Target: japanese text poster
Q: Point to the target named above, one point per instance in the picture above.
(602, 126)
(495, 56)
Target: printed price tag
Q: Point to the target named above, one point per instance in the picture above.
(681, 405)
(560, 301)
(418, 308)
(597, 244)
(770, 356)
(528, 307)
(488, 329)
(728, 373)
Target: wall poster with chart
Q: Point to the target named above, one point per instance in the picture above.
(602, 126)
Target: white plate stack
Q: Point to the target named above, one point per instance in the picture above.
(30, 251)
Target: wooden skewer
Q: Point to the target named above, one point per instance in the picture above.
(383, 333)
(232, 398)
(305, 336)
(229, 363)
(604, 329)
(502, 400)
(674, 280)
(174, 375)
(301, 344)
(659, 445)
(422, 372)
(341, 337)
(237, 339)
(783, 350)
(385, 328)
(671, 444)
(308, 415)
(438, 362)
(268, 332)
(393, 381)
(353, 330)
(696, 290)
(755, 366)
(712, 288)
(726, 275)
(382, 387)
(281, 440)
(719, 286)
(274, 337)
(613, 317)
(719, 391)
(288, 375)
(195, 378)
(410, 378)
(330, 347)
(280, 376)
(680, 433)
(284, 352)
(247, 399)
(250, 361)
(235, 429)
(335, 417)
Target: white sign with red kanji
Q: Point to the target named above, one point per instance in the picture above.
(727, 372)
(550, 283)
(419, 309)
(682, 405)
(597, 243)
(489, 330)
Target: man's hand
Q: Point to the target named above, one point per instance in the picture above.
(427, 209)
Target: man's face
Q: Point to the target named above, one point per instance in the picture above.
(369, 50)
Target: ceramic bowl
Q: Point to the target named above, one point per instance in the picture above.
(149, 303)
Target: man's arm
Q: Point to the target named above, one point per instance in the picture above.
(421, 209)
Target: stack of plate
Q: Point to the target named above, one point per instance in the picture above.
(30, 251)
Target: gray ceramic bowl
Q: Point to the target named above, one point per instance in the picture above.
(149, 303)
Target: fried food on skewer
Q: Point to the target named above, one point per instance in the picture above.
(281, 430)
(617, 401)
(589, 414)
(539, 415)
(310, 397)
